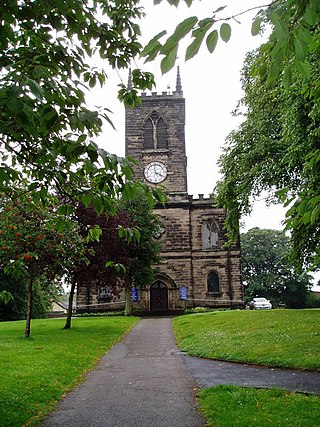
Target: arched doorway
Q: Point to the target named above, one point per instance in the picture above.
(158, 296)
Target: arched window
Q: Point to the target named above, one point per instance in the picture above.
(213, 283)
(148, 134)
(161, 134)
(155, 132)
(210, 235)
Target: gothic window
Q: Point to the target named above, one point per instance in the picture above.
(148, 134)
(210, 236)
(155, 132)
(213, 284)
(161, 134)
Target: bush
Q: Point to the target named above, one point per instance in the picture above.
(313, 301)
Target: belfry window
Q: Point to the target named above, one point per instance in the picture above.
(155, 132)
(213, 283)
(210, 235)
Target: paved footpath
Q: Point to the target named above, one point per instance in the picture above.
(142, 382)
(145, 381)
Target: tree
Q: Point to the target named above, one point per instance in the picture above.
(31, 246)
(268, 271)
(276, 149)
(46, 131)
(143, 253)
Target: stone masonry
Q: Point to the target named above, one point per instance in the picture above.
(194, 252)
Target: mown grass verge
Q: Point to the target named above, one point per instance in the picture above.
(35, 373)
(284, 338)
(226, 405)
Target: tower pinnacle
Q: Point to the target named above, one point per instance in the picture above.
(129, 80)
(178, 90)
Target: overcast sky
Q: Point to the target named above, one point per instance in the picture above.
(211, 86)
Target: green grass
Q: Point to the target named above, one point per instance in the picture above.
(225, 406)
(35, 373)
(284, 338)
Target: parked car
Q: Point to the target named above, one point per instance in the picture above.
(260, 304)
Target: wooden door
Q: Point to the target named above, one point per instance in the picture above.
(158, 296)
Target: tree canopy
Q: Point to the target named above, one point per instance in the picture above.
(276, 149)
(47, 133)
(268, 271)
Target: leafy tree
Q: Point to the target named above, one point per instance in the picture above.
(276, 149)
(46, 131)
(143, 253)
(32, 247)
(268, 271)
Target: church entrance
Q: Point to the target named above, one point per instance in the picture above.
(158, 296)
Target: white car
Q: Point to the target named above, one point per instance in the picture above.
(260, 304)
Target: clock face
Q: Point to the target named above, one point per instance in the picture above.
(155, 172)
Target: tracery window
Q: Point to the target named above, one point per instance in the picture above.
(155, 132)
(213, 283)
(210, 235)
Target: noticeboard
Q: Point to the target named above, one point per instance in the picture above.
(183, 293)
(134, 294)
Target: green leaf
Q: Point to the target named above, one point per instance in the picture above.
(86, 199)
(287, 77)
(212, 40)
(194, 47)
(98, 205)
(185, 27)
(219, 9)
(153, 44)
(256, 26)
(168, 61)
(303, 67)
(225, 32)
(315, 215)
(280, 27)
(301, 49)
(35, 89)
(181, 31)
(6, 296)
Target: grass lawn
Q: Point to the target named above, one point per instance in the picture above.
(35, 373)
(284, 338)
(226, 406)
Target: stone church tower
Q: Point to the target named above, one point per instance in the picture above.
(196, 268)
(193, 238)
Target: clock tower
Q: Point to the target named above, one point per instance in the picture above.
(197, 268)
(155, 137)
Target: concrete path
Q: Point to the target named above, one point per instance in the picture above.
(145, 381)
(209, 373)
(142, 382)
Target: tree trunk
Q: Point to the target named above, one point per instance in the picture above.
(29, 306)
(128, 309)
(69, 312)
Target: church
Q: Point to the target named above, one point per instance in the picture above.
(197, 268)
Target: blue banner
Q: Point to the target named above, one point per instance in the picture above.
(184, 293)
(134, 294)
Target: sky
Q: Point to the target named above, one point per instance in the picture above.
(211, 86)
